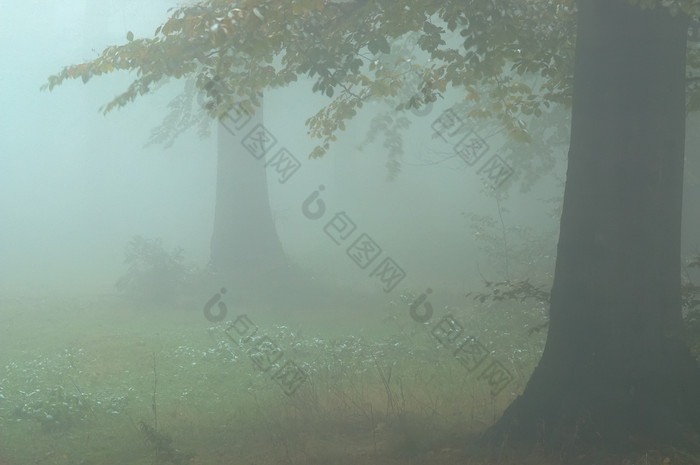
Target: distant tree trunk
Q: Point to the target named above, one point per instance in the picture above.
(615, 370)
(245, 247)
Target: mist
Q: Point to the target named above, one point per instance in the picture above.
(125, 340)
(77, 185)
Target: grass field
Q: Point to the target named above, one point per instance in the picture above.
(95, 381)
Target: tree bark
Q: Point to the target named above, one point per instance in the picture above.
(615, 371)
(245, 248)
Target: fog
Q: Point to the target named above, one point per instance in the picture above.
(77, 185)
(113, 344)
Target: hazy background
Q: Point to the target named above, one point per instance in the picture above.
(76, 186)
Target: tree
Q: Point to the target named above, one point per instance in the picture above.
(615, 371)
(615, 365)
(245, 247)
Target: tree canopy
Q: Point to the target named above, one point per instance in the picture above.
(511, 59)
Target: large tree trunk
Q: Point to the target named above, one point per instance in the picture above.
(615, 370)
(245, 248)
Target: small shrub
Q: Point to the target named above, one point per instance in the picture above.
(57, 411)
(155, 274)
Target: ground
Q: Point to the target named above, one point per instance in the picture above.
(95, 380)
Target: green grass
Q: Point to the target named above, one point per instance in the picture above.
(77, 385)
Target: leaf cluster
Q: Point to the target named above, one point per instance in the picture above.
(487, 48)
(690, 301)
(248, 46)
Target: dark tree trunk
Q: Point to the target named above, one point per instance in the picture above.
(245, 248)
(615, 371)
